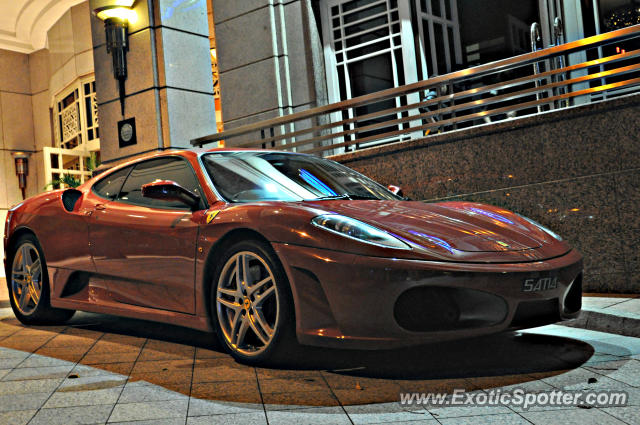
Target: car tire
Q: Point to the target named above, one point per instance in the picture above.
(28, 285)
(256, 308)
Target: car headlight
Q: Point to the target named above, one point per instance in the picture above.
(355, 229)
(541, 227)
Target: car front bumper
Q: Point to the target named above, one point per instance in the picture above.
(345, 300)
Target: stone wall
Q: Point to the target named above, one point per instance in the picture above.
(576, 171)
(16, 130)
(16, 125)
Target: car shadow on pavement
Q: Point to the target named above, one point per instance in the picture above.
(506, 353)
(493, 355)
(193, 363)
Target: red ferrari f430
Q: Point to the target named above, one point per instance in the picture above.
(265, 247)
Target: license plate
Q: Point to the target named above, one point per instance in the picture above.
(539, 284)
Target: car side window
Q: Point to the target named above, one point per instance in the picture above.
(109, 187)
(168, 168)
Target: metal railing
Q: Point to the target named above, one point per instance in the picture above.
(483, 94)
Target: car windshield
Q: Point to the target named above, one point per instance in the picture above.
(250, 176)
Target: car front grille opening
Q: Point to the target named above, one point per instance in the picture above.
(531, 314)
(573, 299)
(430, 309)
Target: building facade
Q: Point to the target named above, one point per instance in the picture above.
(48, 103)
(311, 52)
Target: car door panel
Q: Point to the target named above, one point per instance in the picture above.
(146, 248)
(147, 255)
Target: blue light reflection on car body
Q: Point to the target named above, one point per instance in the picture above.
(492, 215)
(444, 244)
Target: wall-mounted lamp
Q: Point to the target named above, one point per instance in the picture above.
(117, 14)
(21, 160)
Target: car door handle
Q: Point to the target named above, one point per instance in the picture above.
(101, 207)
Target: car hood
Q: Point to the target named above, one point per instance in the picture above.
(448, 226)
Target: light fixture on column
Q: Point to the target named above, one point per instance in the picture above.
(117, 14)
(21, 160)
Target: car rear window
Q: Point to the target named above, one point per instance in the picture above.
(109, 187)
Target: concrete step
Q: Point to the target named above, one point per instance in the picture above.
(612, 314)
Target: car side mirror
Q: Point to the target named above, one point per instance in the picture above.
(168, 190)
(396, 190)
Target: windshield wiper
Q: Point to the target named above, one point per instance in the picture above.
(324, 198)
(355, 196)
(351, 196)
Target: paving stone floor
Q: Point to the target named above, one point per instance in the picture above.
(614, 304)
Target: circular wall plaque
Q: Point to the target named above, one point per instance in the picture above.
(126, 132)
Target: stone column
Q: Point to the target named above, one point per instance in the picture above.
(269, 60)
(169, 89)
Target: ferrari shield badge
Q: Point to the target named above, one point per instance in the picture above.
(211, 215)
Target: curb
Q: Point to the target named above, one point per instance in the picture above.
(597, 319)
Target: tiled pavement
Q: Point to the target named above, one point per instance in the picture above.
(101, 369)
(613, 304)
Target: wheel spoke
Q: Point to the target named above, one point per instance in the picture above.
(245, 269)
(17, 261)
(242, 332)
(35, 269)
(255, 287)
(230, 292)
(235, 323)
(258, 332)
(262, 322)
(19, 272)
(20, 278)
(26, 258)
(229, 304)
(24, 298)
(238, 277)
(33, 293)
(262, 297)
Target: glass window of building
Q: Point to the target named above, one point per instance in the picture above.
(368, 48)
(76, 145)
(439, 47)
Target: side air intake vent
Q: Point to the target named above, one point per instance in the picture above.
(76, 283)
(69, 198)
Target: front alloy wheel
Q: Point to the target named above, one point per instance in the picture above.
(252, 302)
(247, 303)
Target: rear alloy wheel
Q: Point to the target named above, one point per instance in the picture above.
(26, 278)
(29, 286)
(251, 302)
